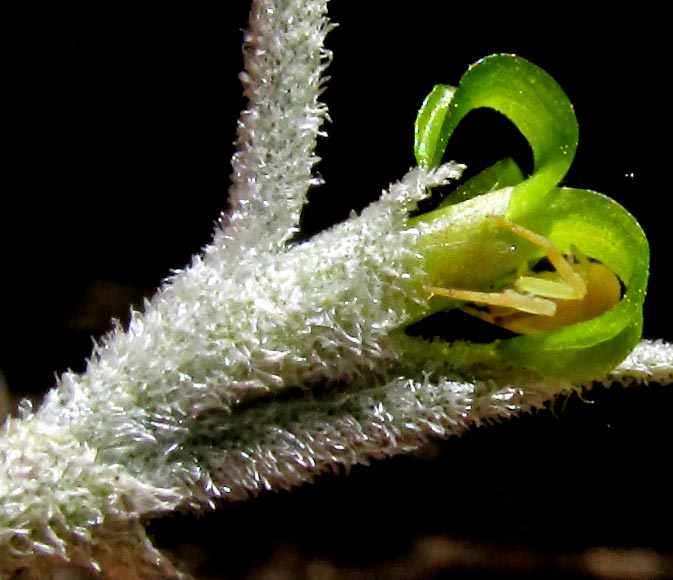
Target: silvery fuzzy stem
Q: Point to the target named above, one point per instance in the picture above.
(273, 167)
(227, 342)
(60, 504)
(650, 361)
(326, 311)
(264, 374)
(270, 372)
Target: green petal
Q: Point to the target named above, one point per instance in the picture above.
(429, 138)
(504, 173)
(605, 231)
(528, 97)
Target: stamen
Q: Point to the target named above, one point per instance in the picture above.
(507, 298)
(562, 266)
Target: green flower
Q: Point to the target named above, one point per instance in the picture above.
(576, 326)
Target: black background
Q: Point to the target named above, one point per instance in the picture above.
(119, 132)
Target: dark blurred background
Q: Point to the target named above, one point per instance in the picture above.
(119, 130)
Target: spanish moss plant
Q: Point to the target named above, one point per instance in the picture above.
(268, 361)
